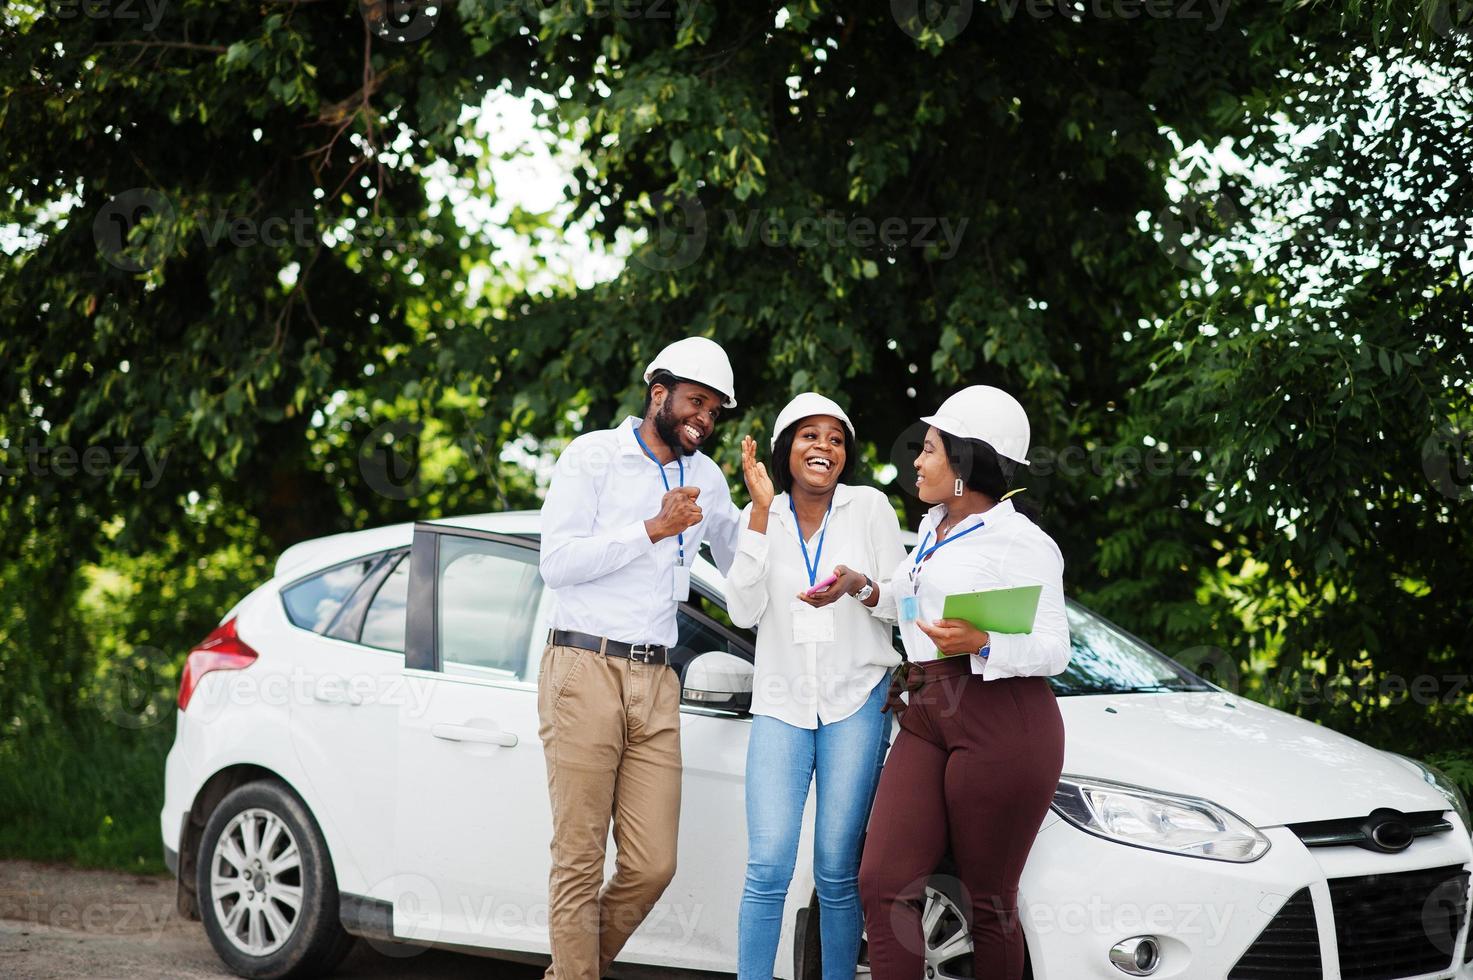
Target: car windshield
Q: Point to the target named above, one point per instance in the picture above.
(1107, 660)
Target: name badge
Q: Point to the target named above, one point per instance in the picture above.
(681, 591)
(812, 625)
(910, 609)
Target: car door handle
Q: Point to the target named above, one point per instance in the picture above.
(465, 733)
(335, 695)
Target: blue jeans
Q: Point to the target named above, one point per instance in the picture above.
(781, 761)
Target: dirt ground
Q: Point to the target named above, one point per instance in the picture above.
(61, 923)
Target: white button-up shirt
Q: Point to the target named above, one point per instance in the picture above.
(607, 576)
(1008, 551)
(804, 684)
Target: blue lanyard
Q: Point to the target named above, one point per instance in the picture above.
(817, 555)
(922, 553)
(679, 538)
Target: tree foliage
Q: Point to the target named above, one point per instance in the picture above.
(852, 198)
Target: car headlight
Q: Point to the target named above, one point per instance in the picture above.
(1158, 821)
(1439, 781)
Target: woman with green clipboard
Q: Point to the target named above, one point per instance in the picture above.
(823, 670)
(981, 609)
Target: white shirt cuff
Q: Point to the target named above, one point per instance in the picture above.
(635, 536)
(753, 544)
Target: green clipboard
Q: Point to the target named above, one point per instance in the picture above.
(996, 610)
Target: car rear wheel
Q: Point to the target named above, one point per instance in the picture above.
(268, 896)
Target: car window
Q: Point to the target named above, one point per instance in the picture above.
(698, 634)
(486, 606)
(313, 602)
(383, 623)
(1105, 660)
(713, 607)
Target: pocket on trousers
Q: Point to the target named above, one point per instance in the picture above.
(562, 670)
(1019, 709)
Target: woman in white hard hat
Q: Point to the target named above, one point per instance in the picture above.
(981, 744)
(823, 666)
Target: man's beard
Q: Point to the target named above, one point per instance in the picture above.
(667, 426)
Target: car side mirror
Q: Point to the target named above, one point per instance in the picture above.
(718, 680)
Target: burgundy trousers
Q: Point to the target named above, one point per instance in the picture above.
(973, 770)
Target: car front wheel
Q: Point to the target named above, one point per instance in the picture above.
(268, 894)
(944, 929)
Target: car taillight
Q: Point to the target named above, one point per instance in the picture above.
(221, 650)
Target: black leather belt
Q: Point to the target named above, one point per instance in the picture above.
(643, 653)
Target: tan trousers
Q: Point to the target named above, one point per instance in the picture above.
(610, 731)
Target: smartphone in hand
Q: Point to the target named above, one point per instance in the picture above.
(823, 585)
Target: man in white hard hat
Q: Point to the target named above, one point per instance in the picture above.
(622, 523)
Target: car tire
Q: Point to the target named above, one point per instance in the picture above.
(943, 889)
(807, 952)
(260, 852)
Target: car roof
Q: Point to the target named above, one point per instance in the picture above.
(309, 556)
(334, 549)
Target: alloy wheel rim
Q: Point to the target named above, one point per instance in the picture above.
(256, 882)
(948, 939)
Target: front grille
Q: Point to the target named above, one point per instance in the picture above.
(1395, 925)
(1287, 949)
(1352, 830)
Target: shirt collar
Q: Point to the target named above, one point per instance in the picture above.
(1002, 510)
(624, 433)
(843, 495)
(629, 446)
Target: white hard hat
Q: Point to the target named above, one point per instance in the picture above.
(804, 405)
(697, 359)
(989, 414)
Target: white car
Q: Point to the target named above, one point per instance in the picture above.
(357, 755)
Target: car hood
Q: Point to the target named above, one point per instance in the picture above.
(1265, 765)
